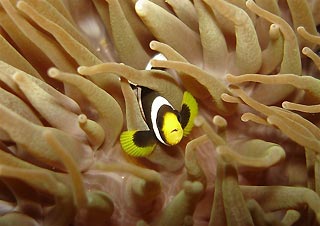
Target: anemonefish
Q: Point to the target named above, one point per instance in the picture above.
(166, 125)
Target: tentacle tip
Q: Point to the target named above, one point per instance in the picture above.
(53, 72)
(281, 153)
(18, 77)
(219, 151)
(194, 187)
(249, 3)
(153, 44)
(285, 104)
(18, 4)
(224, 96)
(274, 31)
(229, 77)
(270, 120)
(139, 7)
(198, 121)
(219, 121)
(244, 118)
(228, 98)
(306, 50)
(82, 119)
(81, 69)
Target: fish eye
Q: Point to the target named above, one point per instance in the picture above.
(175, 130)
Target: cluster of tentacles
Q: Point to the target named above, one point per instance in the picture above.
(65, 97)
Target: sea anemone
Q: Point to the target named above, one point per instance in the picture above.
(66, 69)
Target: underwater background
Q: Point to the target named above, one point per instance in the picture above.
(251, 159)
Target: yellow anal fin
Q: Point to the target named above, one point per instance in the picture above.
(189, 110)
(137, 143)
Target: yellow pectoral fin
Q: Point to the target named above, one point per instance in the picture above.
(189, 110)
(137, 143)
